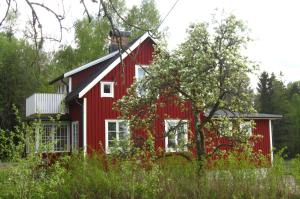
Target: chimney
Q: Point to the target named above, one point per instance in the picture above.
(117, 38)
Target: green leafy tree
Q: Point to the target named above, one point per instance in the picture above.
(274, 97)
(91, 33)
(264, 93)
(208, 72)
(292, 140)
(21, 73)
(145, 17)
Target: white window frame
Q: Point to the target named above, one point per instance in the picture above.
(107, 150)
(249, 124)
(111, 84)
(75, 135)
(53, 127)
(176, 136)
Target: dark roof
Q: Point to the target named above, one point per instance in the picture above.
(101, 67)
(56, 79)
(227, 113)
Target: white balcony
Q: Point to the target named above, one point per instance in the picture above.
(45, 103)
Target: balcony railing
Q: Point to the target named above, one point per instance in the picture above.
(45, 103)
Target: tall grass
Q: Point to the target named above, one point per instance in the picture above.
(100, 176)
(139, 173)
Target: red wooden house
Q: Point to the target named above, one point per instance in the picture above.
(85, 96)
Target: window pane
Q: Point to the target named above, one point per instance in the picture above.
(75, 136)
(61, 138)
(181, 138)
(111, 126)
(111, 143)
(141, 73)
(46, 134)
(106, 88)
(171, 143)
(112, 135)
(122, 126)
(123, 135)
(247, 128)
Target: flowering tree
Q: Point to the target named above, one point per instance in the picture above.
(208, 71)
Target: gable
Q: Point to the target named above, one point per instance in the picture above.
(116, 62)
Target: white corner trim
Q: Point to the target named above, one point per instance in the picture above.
(70, 84)
(114, 64)
(106, 137)
(112, 89)
(92, 63)
(84, 126)
(271, 142)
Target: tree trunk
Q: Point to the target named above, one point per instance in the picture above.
(200, 141)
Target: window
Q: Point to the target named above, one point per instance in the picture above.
(226, 129)
(177, 135)
(107, 89)
(139, 74)
(75, 136)
(61, 138)
(54, 138)
(46, 137)
(115, 131)
(61, 88)
(140, 71)
(246, 127)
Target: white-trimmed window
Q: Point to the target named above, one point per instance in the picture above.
(75, 136)
(226, 129)
(176, 135)
(55, 138)
(115, 131)
(140, 73)
(246, 127)
(107, 89)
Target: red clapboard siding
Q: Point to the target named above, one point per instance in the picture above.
(263, 144)
(99, 109)
(171, 111)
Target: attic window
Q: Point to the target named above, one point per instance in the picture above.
(140, 73)
(107, 89)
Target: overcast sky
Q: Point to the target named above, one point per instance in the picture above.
(274, 25)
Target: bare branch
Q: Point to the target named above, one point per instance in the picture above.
(8, 2)
(86, 11)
